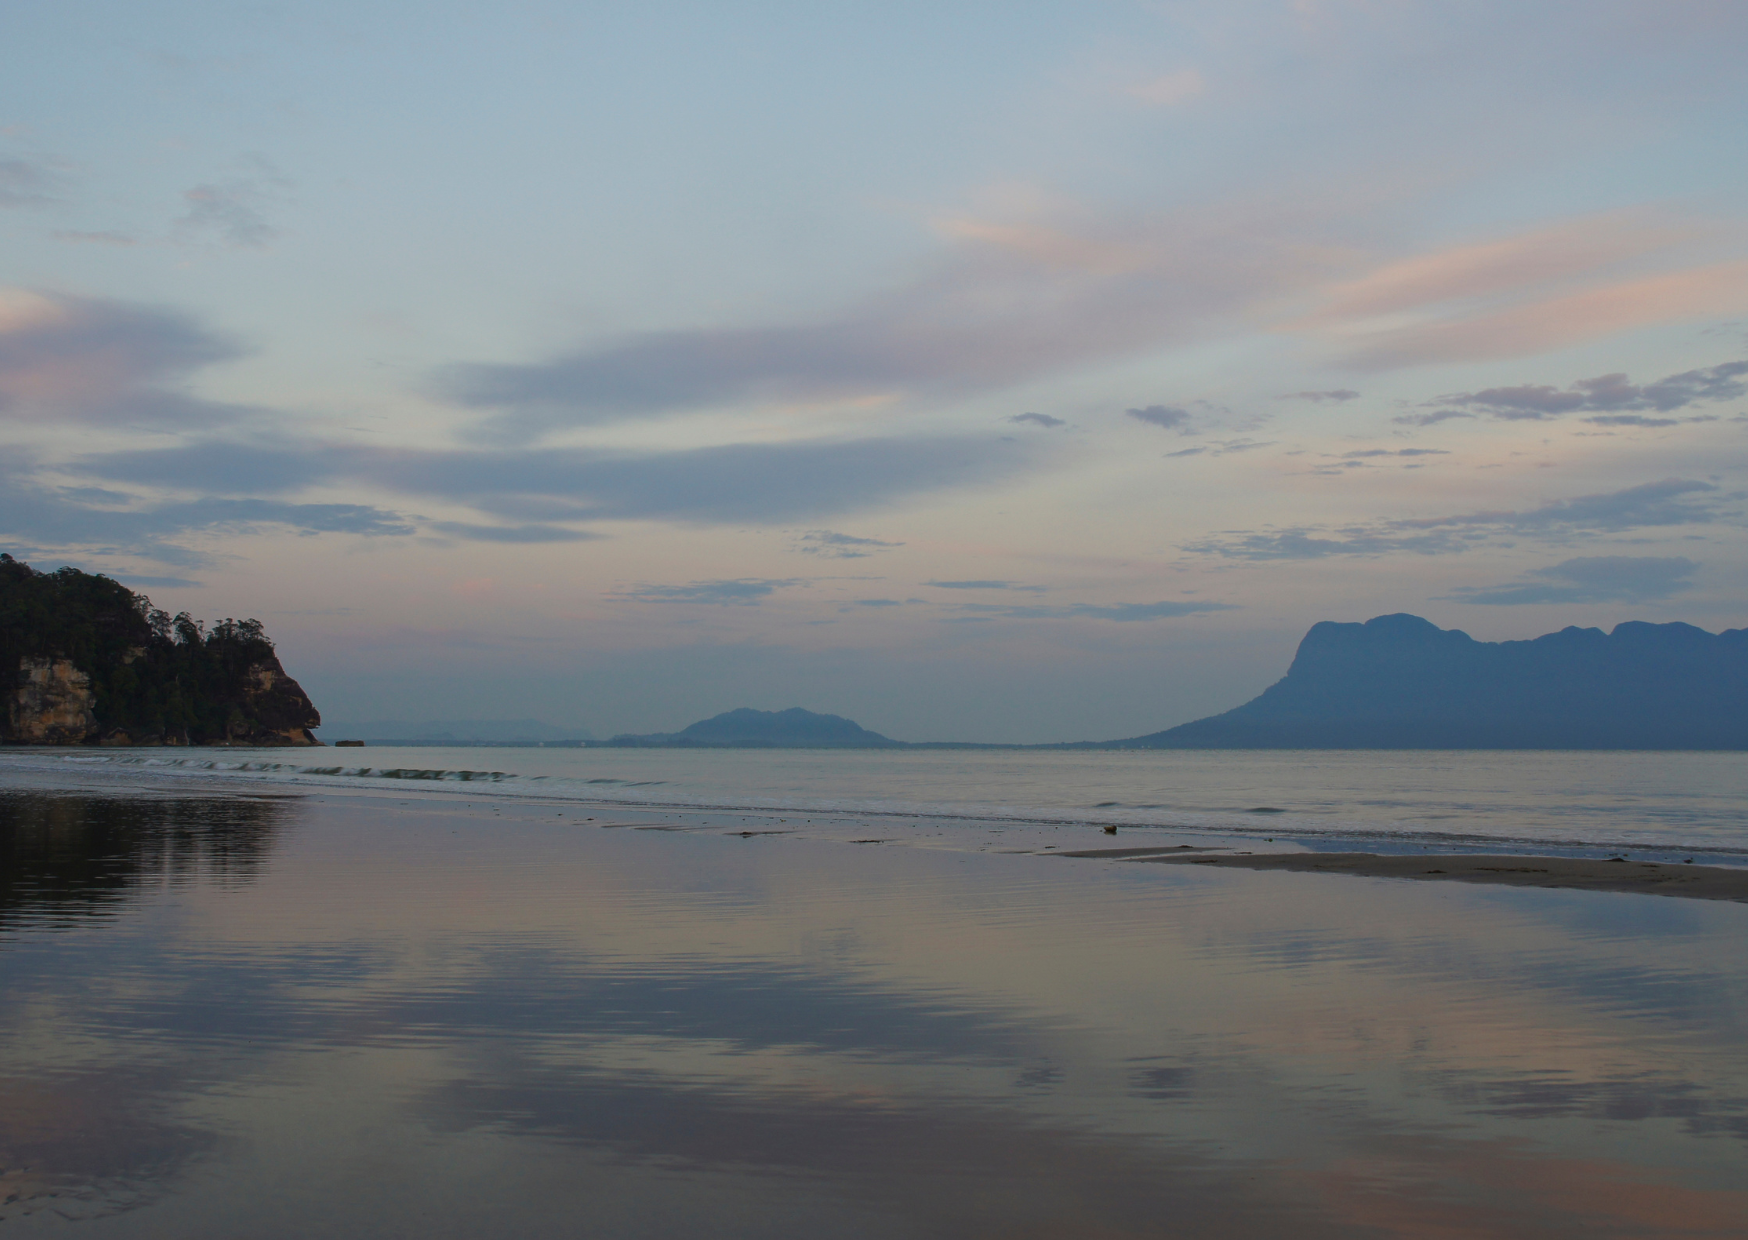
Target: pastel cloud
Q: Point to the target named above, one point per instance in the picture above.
(1540, 290)
(36, 515)
(1670, 502)
(1608, 394)
(232, 213)
(243, 486)
(1167, 416)
(96, 360)
(1591, 579)
(1121, 613)
(25, 183)
(1709, 291)
(833, 545)
(985, 585)
(725, 483)
(1575, 248)
(1007, 302)
(740, 591)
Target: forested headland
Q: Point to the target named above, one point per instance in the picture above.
(92, 662)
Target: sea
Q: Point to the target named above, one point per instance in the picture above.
(448, 994)
(1581, 803)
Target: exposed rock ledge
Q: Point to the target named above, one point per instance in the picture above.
(54, 704)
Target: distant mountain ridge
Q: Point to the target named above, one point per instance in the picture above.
(764, 729)
(1401, 682)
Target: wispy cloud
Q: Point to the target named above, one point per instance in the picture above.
(1006, 302)
(96, 360)
(232, 213)
(1168, 416)
(1640, 420)
(62, 519)
(836, 546)
(1590, 579)
(1547, 288)
(1038, 419)
(1608, 394)
(1430, 419)
(1010, 302)
(1504, 266)
(739, 591)
(1223, 447)
(1121, 613)
(154, 583)
(759, 482)
(1558, 322)
(510, 533)
(986, 585)
(26, 183)
(126, 578)
(1338, 395)
(1671, 502)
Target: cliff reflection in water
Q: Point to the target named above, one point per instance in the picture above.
(441, 1021)
(67, 856)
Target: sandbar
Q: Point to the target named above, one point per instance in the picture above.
(1695, 882)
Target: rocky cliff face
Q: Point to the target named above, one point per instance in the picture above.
(281, 712)
(53, 704)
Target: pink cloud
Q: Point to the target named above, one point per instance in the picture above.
(102, 361)
(1557, 322)
(1570, 250)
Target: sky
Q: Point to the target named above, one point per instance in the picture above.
(1005, 372)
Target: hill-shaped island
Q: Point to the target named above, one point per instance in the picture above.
(91, 662)
(764, 729)
(1400, 682)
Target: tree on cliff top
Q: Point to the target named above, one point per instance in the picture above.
(152, 675)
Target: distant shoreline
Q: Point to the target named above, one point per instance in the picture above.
(1106, 746)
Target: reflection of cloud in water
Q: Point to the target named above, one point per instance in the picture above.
(1428, 1187)
(944, 1166)
(1549, 1093)
(85, 1145)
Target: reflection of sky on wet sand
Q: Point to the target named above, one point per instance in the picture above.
(421, 1020)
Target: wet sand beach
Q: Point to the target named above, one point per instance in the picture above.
(1695, 882)
(284, 1014)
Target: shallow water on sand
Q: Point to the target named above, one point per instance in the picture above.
(296, 1014)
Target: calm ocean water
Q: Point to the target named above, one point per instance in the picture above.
(1651, 801)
